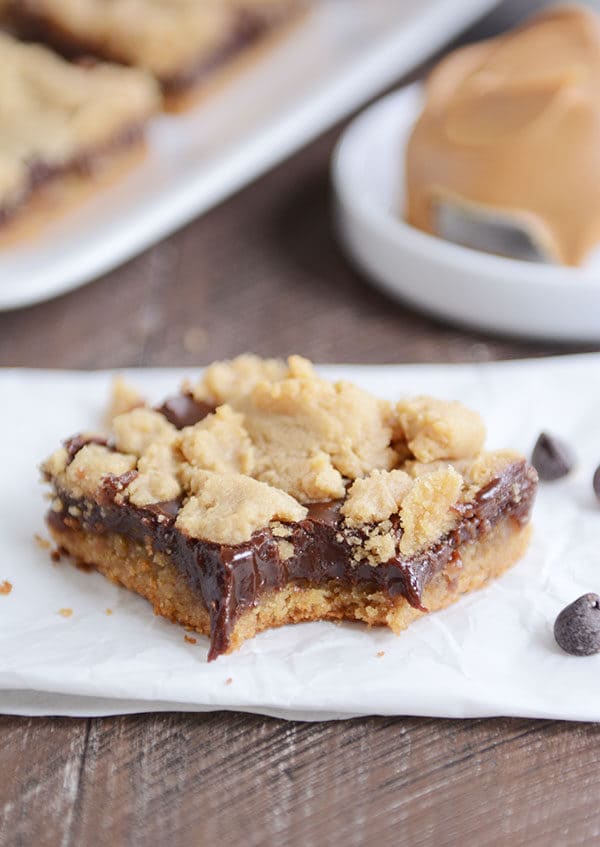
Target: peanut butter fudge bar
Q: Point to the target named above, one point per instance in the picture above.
(181, 42)
(265, 495)
(58, 119)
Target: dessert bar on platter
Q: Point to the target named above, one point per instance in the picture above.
(61, 120)
(181, 42)
(264, 495)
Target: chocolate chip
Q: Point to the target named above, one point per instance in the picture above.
(577, 628)
(551, 457)
(596, 482)
(182, 410)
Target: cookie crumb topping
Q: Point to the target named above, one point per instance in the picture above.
(281, 438)
(157, 480)
(137, 430)
(229, 508)
(375, 497)
(123, 398)
(437, 429)
(426, 512)
(219, 443)
(91, 465)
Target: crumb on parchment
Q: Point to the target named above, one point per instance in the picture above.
(5, 587)
(42, 542)
(228, 681)
(109, 612)
(190, 640)
(66, 613)
(380, 654)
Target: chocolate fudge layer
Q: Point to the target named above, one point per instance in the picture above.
(265, 495)
(59, 119)
(181, 42)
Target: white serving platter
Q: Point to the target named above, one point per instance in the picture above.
(337, 57)
(464, 285)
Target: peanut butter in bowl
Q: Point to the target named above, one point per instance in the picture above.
(510, 135)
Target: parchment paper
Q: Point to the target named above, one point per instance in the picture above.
(492, 653)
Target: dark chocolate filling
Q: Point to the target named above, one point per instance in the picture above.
(230, 579)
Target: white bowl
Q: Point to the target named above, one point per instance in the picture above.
(463, 285)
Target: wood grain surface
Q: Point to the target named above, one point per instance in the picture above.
(230, 779)
(262, 272)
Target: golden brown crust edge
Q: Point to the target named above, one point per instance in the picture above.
(154, 577)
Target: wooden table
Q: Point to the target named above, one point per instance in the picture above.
(262, 272)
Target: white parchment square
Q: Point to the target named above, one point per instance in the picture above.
(492, 653)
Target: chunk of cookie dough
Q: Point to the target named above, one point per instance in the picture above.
(437, 429)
